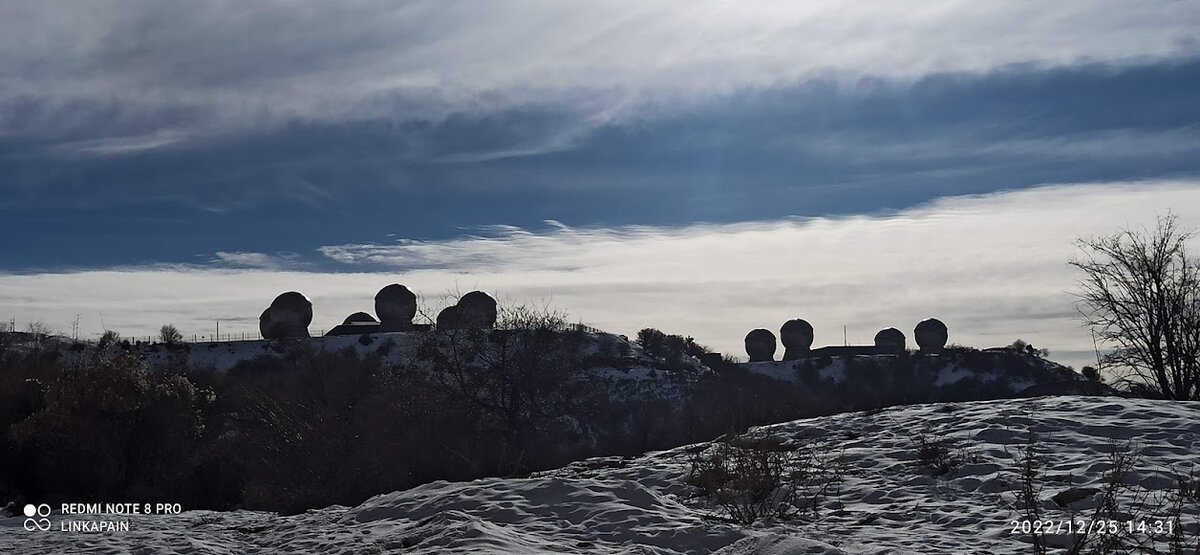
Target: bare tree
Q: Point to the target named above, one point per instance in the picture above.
(522, 375)
(169, 334)
(1140, 294)
(39, 330)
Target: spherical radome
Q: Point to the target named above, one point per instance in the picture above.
(891, 340)
(447, 319)
(266, 326)
(359, 317)
(396, 305)
(796, 334)
(476, 310)
(931, 335)
(760, 345)
(291, 313)
(797, 337)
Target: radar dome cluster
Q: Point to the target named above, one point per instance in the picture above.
(797, 338)
(291, 313)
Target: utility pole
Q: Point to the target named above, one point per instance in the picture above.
(845, 341)
(218, 330)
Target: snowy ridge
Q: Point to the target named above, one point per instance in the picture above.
(613, 505)
(392, 348)
(955, 375)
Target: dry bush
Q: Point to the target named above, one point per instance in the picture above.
(940, 456)
(325, 429)
(524, 380)
(748, 478)
(108, 428)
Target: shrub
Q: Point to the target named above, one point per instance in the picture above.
(939, 456)
(670, 349)
(522, 379)
(290, 432)
(651, 340)
(135, 431)
(1092, 374)
(748, 478)
(170, 335)
(1022, 346)
(108, 339)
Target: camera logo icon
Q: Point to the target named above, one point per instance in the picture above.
(35, 517)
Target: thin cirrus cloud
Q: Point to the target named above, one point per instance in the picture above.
(994, 267)
(208, 67)
(258, 260)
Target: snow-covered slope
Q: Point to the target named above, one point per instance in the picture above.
(887, 503)
(1017, 371)
(393, 348)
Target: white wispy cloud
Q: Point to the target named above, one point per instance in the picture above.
(226, 63)
(123, 145)
(258, 260)
(994, 267)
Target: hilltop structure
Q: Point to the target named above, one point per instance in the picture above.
(396, 306)
(288, 316)
(890, 340)
(797, 337)
(931, 335)
(760, 345)
(291, 313)
(475, 310)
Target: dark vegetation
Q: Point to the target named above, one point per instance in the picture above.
(940, 456)
(747, 478)
(308, 428)
(671, 349)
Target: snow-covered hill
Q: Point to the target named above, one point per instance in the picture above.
(954, 375)
(887, 501)
(391, 348)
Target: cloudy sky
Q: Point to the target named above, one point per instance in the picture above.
(702, 168)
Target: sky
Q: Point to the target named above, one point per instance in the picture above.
(701, 168)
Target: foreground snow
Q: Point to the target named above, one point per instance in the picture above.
(612, 505)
